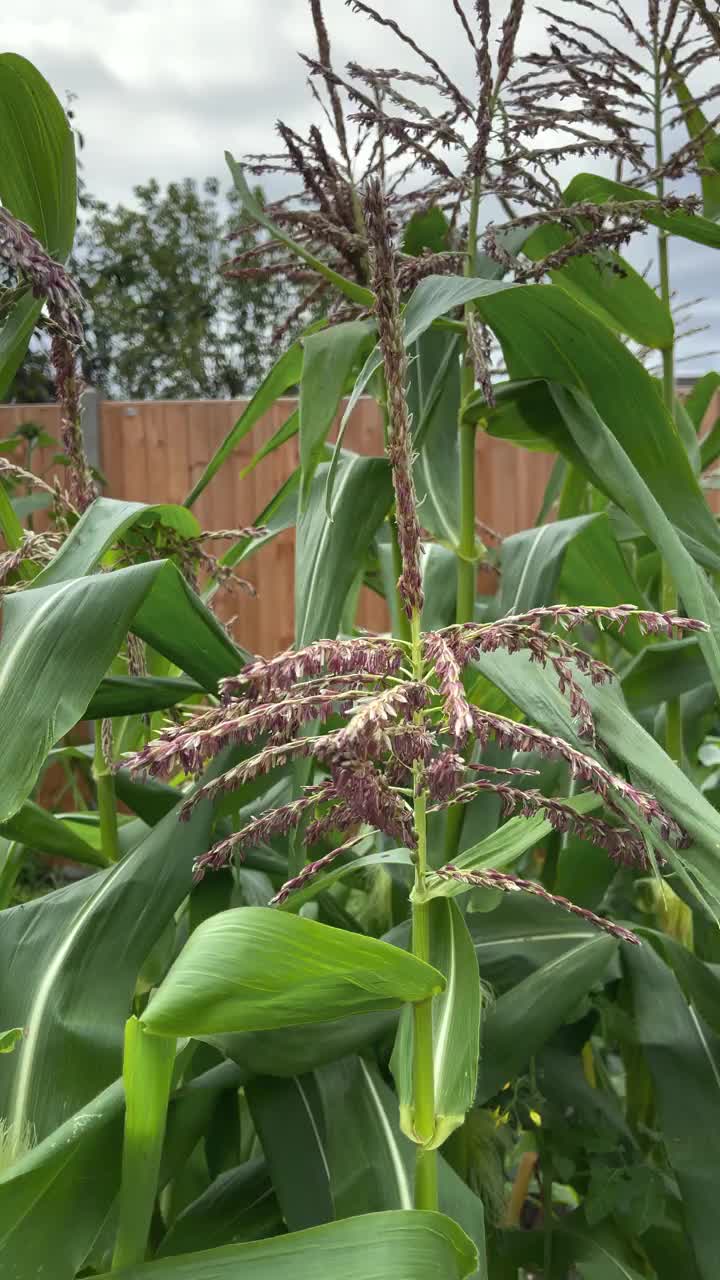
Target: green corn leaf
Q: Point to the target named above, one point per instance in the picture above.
(15, 336)
(55, 1197)
(82, 624)
(65, 979)
(191, 1113)
(239, 1206)
(329, 555)
(688, 434)
(523, 1018)
(545, 334)
(510, 943)
(553, 489)
(86, 824)
(40, 830)
(456, 1027)
(434, 401)
(698, 126)
(322, 882)
(12, 857)
(287, 1119)
(8, 1039)
(370, 1161)
(254, 969)
(698, 980)
(252, 206)
(72, 1177)
(585, 438)
(297, 1049)
(521, 935)
(37, 185)
(710, 446)
(105, 521)
(136, 695)
(561, 1077)
(330, 356)
(402, 1244)
(426, 229)
(684, 1060)
(439, 586)
(524, 414)
(432, 396)
(500, 849)
(285, 373)
(576, 560)
(595, 568)
(149, 799)
(574, 495)
(12, 529)
(608, 286)
(531, 562)
(698, 402)
(584, 873)
(597, 443)
(597, 1253)
(670, 1252)
(580, 553)
(599, 190)
(650, 767)
(37, 155)
(286, 432)
(663, 671)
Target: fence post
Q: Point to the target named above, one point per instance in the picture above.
(90, 424)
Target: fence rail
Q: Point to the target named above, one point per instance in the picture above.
(154, 451)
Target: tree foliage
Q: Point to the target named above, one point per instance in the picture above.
(162, 321)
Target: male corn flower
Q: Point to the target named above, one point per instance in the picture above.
(393, 721)
(50, 282)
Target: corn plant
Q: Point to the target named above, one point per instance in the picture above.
(398, 954)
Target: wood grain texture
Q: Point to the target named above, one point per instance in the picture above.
(154, 451)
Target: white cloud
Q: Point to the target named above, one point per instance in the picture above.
(163, 89)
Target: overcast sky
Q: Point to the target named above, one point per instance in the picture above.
(163, 87)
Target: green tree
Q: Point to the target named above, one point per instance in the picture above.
(162, 321)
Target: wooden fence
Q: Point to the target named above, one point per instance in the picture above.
(154, 451)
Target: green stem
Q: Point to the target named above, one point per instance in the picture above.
(147, 1076)
(402, 622)
(426, 1193)
(669, 598)
(107, 808)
